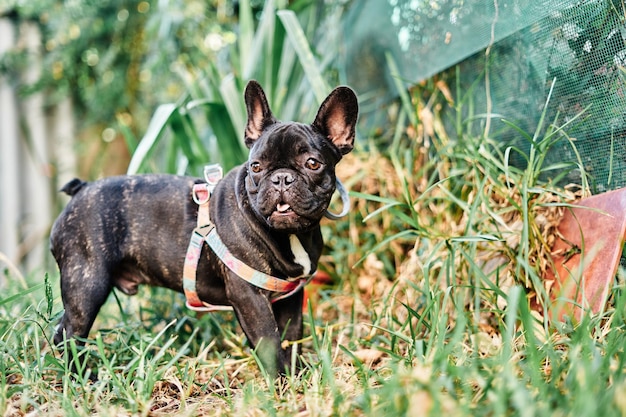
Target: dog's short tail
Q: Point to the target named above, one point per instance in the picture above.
(74, 186)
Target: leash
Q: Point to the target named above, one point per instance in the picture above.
(205, 232)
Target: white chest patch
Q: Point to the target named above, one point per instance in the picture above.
(300, 256)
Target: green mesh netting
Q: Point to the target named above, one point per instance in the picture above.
(579, 44)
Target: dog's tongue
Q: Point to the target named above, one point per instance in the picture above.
(282, 208)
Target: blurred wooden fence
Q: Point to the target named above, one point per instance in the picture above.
(36, 155)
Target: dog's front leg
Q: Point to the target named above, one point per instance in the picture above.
(288, 314)
(256, 317)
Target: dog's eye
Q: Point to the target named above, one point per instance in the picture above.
(313, 164)
(255, 167)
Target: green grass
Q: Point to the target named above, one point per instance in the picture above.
(418, 352)
(429, 313)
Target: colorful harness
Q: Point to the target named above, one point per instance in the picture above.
(205, 232)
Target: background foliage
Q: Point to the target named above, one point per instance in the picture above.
(108, 56)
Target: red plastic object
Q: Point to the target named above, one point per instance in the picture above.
(587, 256)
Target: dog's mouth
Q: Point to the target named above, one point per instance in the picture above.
(283, 209)
(288, 218)
(283, 217)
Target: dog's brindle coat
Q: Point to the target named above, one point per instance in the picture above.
(131, 230)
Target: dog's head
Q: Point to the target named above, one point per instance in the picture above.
(291, 167)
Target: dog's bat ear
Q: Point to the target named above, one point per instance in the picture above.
(337, 116)
(259, 113)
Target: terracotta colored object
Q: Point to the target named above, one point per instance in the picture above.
(587, 256)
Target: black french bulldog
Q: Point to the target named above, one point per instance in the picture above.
(130, 230)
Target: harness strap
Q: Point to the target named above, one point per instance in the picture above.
(201, 194)
(245, 272)
(205, 232)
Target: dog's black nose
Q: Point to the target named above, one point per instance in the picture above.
(282, 178)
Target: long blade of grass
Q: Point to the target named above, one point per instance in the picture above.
(21, 294)
(246, 33)
(375, 198)
(401, 89)
(234, 104)
(560, 128)
(129, 137)
(257, 61)
(380, 210)
(231, 149)
(518, 129)
(384, 242)
(542, 118)
(307, 59)
(157, 125)
(476, 238)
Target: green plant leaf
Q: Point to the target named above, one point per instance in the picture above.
(234, 104)
(158, 124)
(307, 60)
